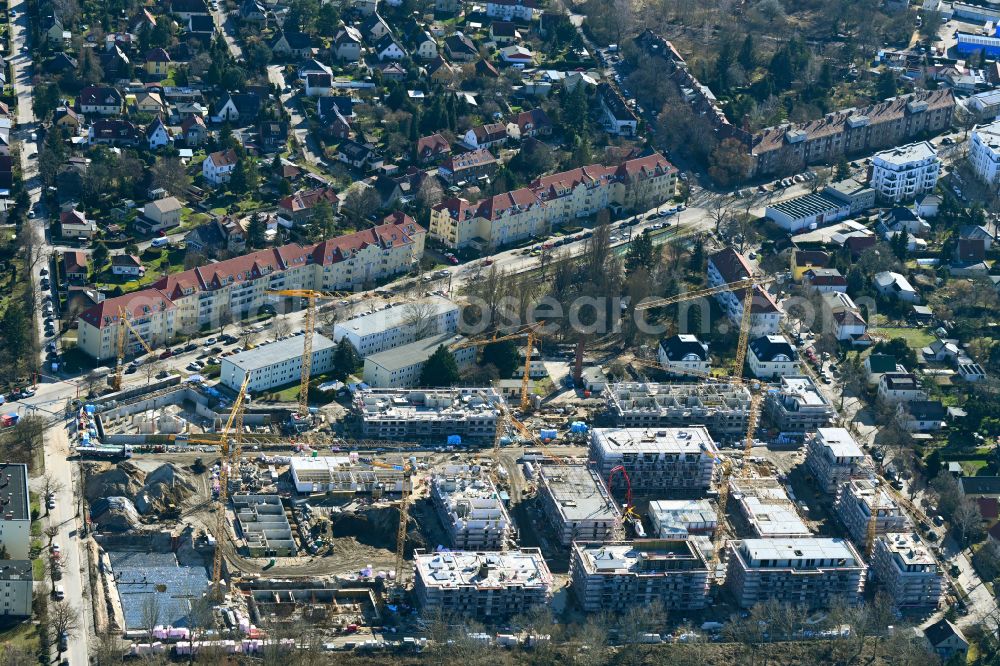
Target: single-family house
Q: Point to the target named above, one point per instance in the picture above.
(533, 123)
(158, 62)
(347, 44)
(895, 387)
(504, 32)
(486, 136)
(375, 28)
(947, 640)
(74, 224)
(468, 167)
(157, 134)
(292, 45)
(301, 206)
(114, 132)
(74, 266)
(218, 166)
(102, 100)
(194, 131)
(127, 264)
(272, 136)
(201, 26)
(804, 260)
(253, 11)
(238, 106)
(877, 365)
(517, 56)
(460, 48)
(824, 280)
(387, 48)
(356, 154)
(431, 148)
(619, 118)
(894, 285)
(161, 214)
(423, 45)
(921, 415)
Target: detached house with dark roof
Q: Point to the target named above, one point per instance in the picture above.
(292, 45)
(460, 48)
(771, 356)
(469, 167)
(431, 148)
(619, 118)
(114, 132)
(100, 100)
(233, 107)
(684, 355)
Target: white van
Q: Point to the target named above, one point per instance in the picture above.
(160, 242)
(59, 592)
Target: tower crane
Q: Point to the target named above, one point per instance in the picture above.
(227, 462)
(404, 516)
(311, 296)
(872, 528)
(124, 326)
(531, 334)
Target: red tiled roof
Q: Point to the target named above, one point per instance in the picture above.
(495, 206)
(308, 199)
(732, 266)
(223, 158)
(74, 262)
(989, 507)
(435, 144)
(137, 305)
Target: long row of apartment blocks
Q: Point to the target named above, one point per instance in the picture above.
(552, 200)
(184, 302)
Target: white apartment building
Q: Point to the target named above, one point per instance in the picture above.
(343, 475)
(16, 587)
(905, 172)
(657, 459)
(398, 326)
(470, 508)
(15, 514)
(401, 367)
(676, 519)
(483, 585)
(552, 200)
(772, 356)
(684, 355)
(469, 413)
(798, 406)
(576, 502)
(857, 500)
(905, 569)
(276, 363)
(807, 571)
(183, 303)
(618, 576)
(984, 152)
(765, 506)
(833, 457)
(727, 266)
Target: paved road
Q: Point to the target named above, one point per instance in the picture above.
(299, 123)
(227, 27)
(50, 394)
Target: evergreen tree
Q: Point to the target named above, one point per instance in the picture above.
(747, 58)
(697, 260)
(100, 256)
(641, 252)
(256, 229)
(345, 360)
(440, 369)
(900, 244)
(842, 170)
(503, 356)
(886, 84)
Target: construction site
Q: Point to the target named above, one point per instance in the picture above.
(252, 520)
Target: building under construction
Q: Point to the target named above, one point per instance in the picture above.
(481, 585)
(264, 526)
(342, 474)
(833, 457)
(723, 408)
(470, 508)
(657, 459)
(421, 414)
(857, 500)
(905, 569)
(765, 506)
(576, 503)
(798, 406)
(622, 575)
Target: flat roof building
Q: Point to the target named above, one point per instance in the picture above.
(722, 408)
(904, 567)
(798, 406)
(470, 508)
(676, 519)
(576, 502)
(470, 413)
(765, 506)
(619, 576)
(807, 211)
(481, 585)
(657, 459)
(16, 588)
(856, 501)
(401, 367)
(15, 514)
(833, 457)
(811, 572)
(399, 325)
(276, 363)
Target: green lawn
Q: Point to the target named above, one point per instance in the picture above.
(23, 635)
(916, 338)
(38, 568)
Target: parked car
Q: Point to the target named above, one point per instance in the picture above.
(167, 353)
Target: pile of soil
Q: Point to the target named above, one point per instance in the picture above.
(376, 527)
(122, 480)
(164, 485)
(114, 514)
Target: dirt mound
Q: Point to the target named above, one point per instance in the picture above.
(164, 485)
(376, 527)
(114, 514)
(122, 480)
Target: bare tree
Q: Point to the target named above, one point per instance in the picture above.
(967, 521)
(91, 380)
(149, 615)
(201, 620)
(280, 328)
(54, 568)
(51, 486)
(719, 213)
(420, 315)
(152, 368)
(64, 620)
(110, 649)
(247, 336)
(50, 532)
(13, 655)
